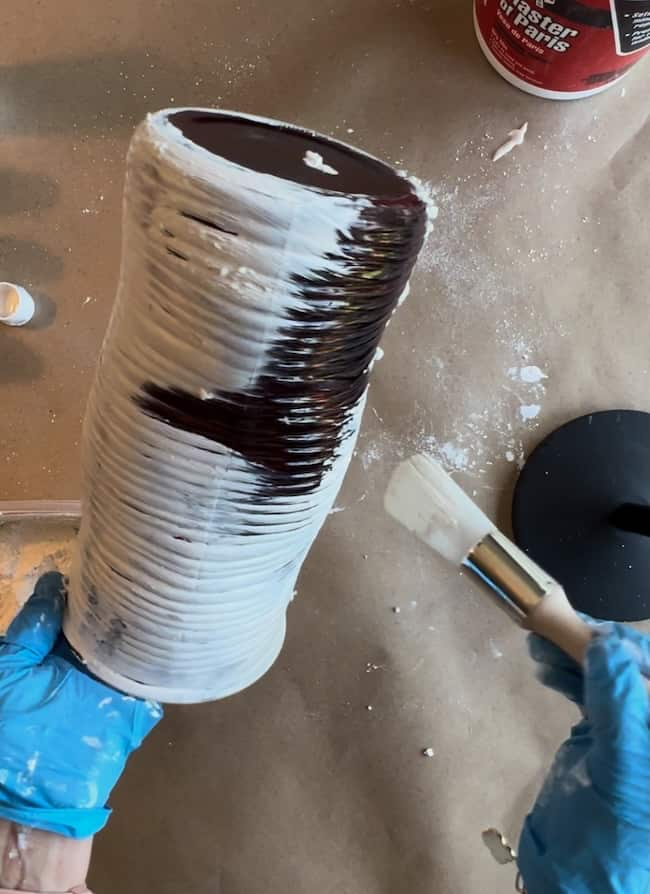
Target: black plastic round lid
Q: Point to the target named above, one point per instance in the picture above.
(581, 509)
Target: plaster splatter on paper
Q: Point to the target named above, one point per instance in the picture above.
(529, 411)
(531, 375)
(371, 667)
(516, 138)
(455, 457)
(479, 437)
(459, 277)
(379, 447)
(479, 287)
(495, 651)
(498, 430)
(486, 376)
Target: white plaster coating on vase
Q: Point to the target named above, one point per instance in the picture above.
(191, 609)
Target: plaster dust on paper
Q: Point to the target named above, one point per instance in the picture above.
(479, 234)
(481, 436)
(29, 549)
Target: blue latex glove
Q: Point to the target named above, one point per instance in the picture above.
(589, 832)
(64, 736)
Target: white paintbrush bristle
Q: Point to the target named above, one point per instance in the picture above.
(422, 497)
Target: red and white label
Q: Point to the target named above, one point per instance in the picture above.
(565, 45)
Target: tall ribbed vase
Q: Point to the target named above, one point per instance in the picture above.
(260, 266)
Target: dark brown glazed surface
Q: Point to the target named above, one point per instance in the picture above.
(291, 422)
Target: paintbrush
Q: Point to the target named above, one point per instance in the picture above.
(429, 503)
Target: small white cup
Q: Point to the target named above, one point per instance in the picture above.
(16, 305)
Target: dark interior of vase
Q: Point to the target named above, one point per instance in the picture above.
(281, 150)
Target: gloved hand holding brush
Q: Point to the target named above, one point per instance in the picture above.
(589, 831)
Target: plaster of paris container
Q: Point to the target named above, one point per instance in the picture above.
(260, 266)
(563, 49)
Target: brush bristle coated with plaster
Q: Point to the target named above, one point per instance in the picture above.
(429, 503)
(423, 498)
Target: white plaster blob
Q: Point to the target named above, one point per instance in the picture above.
(529, 411)
(531, 375)
(454, 456)
(494, 649)
(315, 160)
(193, 609)
(515, 138)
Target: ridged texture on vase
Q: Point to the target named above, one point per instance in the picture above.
(225, 408)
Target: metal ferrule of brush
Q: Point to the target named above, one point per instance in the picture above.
(517, 583)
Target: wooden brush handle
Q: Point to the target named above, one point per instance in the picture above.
(556, 620)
